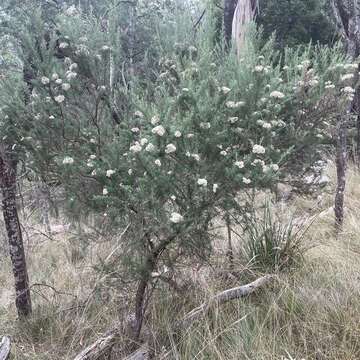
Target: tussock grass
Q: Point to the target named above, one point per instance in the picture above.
(310, 312)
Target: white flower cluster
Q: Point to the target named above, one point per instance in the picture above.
(68, 160)
(136, 148)
(176, 218)
(329, 85)
(277, 95)
(234, 105)
(109, 173)
(224, 90)
(258, 149)
(155, 120)
(346, 77)
(205, 125)
(59, 99)
(45, 80)
(202, 182)
(170, 148)
(158, 130)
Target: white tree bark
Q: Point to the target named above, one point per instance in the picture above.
(244, 14)
(5, 348)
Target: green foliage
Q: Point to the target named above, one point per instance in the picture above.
(297, 22)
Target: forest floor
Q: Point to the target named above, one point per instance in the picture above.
(309, 312)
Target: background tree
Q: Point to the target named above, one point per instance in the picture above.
(346, 14)
(296, 22)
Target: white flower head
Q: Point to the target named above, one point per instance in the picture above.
(138, 114)
(73, 66)
(58, 82)
(195, 157)
(277, 95)
(63, 45)
(202, 182)
(105, 191)
(274, 167)
(259, 68)
(71, 75)
(234, 105)
(239, 164)
(45, 80)
(170, 148)
(205, 125)
(66, 86)
(246, 180)
(225, 90)
(233, 120)
(158, 130)
(59, 99)
(258, 149)
(176, 218)
(109, 173)
(92, 157)
(54, 76)
(135, 130)
(71, 11)
(150, 147)
(130, 171)
(347, 77)
(157, 162)
(68, 160)
(155, 120)
(215, 187)
(348, 90)
(177, 134)
(136, 148)
(143, 142)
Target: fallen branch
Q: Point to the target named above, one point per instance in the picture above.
(100, 347)
(5, 347)
(143, 353)
(223, 297)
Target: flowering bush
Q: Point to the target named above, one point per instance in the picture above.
(169, 157)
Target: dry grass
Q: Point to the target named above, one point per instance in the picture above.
(312, 312)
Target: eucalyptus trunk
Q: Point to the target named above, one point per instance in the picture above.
(229, 10)
(347, 18)
(341, 160)
(8, 181)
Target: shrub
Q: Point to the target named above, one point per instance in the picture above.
(166, 154)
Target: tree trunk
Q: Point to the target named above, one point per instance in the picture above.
(8, 170)
(5, 348)
(229, 10)
(244, 14)
(346, 15)
(341, 151)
